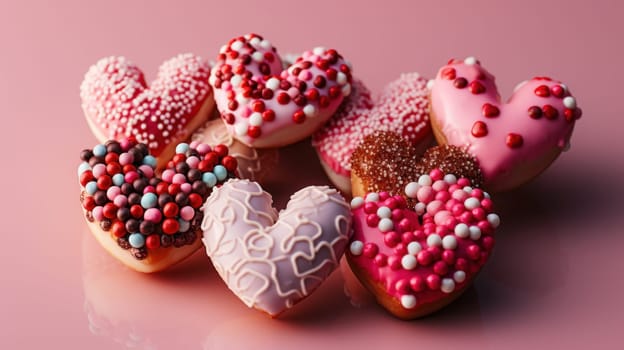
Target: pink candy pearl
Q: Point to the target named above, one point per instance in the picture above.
(131, 176)
(203, 148)
(125, 159)
(120, 201)
(178, 179)
(99, 170)
(441, 217)
(460, 195)
(305, 75)
(97, 213)
(147, 170)
(436, 174)
(167, 175)
(192, 161)
(194, 144)
(186, 187)
(405, 225)
(463, 182)
(149, 189)
(187, 213)
(112, 192)
(440, 185)
(152, 214)
(434, 207)
(425, 194)
(125, 144)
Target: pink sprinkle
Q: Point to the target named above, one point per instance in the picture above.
(112, 192)
(443, 196)
(487, 204)
(425, 194)
(167, 175)
(186, 187)
(194, 144)
(460, 195)
(372, 220)
(397, 214)
(178, 178)
(203, 148)
(305, 75)
(384, 195)
(440, 185)
(463, 182)
(441, 217)
(391, 203)
(131, 176)
(125, 159)
(149, 189)
(405, 225)
(147, 170)
(187, 213)
(246, 112)
(434, 207)
(478, 213)
(192, 161)
(125, 144)
(97, 213)
(120, 201)
(370, 207)
(152, 214)
(477, 193)
(99, 170)
(436, 174)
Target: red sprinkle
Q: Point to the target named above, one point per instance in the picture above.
(283, 98)
(254, 131)
(542, 91)
(195, 200)
(298, 117)
(514, 141)
(230, 163)
(535, 112)
(557, 91)
(567, 113)
(268, 115)
(221, 150)
(118, 229)
(490, 111)
(152, 242)
(170, 226)
(479, 129)
(550, 112)
(448, 73)
(476, 87)
(460, 83)
(171, 210)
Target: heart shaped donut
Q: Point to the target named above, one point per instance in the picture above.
(264, 105)
(118, 103)
(387, 162)
(514, 141)
(402, 107)
(149, 222)
(272, 261)
(253, 164)
(416, 260)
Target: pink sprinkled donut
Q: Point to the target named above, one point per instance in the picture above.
(265, 105)
(118, 103)
(402, 108)
(513, 142)
(416, 260)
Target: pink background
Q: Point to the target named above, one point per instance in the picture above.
(555, 279)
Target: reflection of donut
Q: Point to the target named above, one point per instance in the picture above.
(118, 103)
(253, 164)
(416, 260)
(513, 142)
(145, 220)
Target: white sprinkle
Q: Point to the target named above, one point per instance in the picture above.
(357, 202)
(564, 87)
(430, 83)
(272, 83)
(318, 50)
(356, 248)
(470, 60)
(420, 208)
(425, 180)
(493, 219)
(341, 78)
(255, 119)
(254, 41)
(414, 248)
(459, 276)
(450, 179)
(409, 262)
(385, 225)
(346, 90)
(237, 45)
(447, 286)
(310, 111)
(240, 129)
(223, 49)
(384, 212)
(467, 189)
(569, 102)
(434, 240)
(486, 195)
(449, 242)
(265, 44)
(236, 80)
(475, 232)
(411, 190)
(372, 197)
(257, 56)
(462, 230)
(408, 301)
(472, 203)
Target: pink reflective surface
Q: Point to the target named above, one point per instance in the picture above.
(554, 280)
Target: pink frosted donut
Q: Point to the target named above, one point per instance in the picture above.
(514, 141)
(414, 269)
(253, 164)
(265, 105)
(402, 108)
(118, 103)
(273, 260)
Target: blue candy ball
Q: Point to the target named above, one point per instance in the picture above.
(221, 172)
(118, 179)
(91, 187)
(182, 148)
(99, 150)
(84, 166)
(136, 240)
(210, 179)
(149, 160)
(184, 225)
(149, 200)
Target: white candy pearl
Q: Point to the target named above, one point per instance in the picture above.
(356, 248)
(409, 262)
(420, 208)
(493, 219)
(310, 111)
(240, 129)
(357, 202)
(470, 60)
(430, 84)
(450, 179)
(385, 225)
(319, 50)
(475, 232)
(472, 203)
(346, 90)
(459, 276)
(447, 286)
(384, 212)
(425, 180)
(372, 197)
(411, 190)
(257, 56)
(272, 83)
(449, 242)
(236, 80)
(434, 240)
(255, 119)
(569, 102)
(341, 78)
(414, 248)
(462, 230)
(237, 45)
(265, 44)
(408, 301)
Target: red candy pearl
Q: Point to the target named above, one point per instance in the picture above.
(324, 101)
(424, 258)
(174, 189)
(257, 106)
(542, 91)
(417, 283)
(104, 182)
(479, 129)
(109, 211)
(152, 242)
(550, 112)
(221, 150)
(128, 168)
(514, 140)
(440, 268)
(283, 98)
(111, 157)
(162, 187)
(88, 203)
(476, 87)
(312, 94)
(370, 250)
(448, 73)
(170, 226)
(268, 115)
(179, 157)
(230, 163)
(298, 117)
(118, 229)
(557, 91)
(474, 252)
(171, 210)
(136, 211)
(490, 111)
(254, 131)
(113, 168)
(433, 282)
(86, 177)
(195, 200)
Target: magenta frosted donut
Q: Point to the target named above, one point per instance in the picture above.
(118, 103)
(402, 108)
(265, 105)
(272, 260)
(414, 269)
(513, 141)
